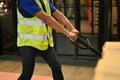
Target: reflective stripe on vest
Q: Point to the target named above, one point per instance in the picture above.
(31, 22)
(33, 32)
(34, 37)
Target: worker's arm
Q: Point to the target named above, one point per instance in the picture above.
(63, 19)
(54, 24)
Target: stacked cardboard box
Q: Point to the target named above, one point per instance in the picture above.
(108, 67)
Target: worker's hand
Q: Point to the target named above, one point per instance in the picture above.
(72, 35)
(76, 32)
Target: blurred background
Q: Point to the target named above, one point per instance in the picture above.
(97, 20)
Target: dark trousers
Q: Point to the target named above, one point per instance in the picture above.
(28, 62)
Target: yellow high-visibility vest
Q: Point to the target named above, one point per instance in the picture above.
(33, 31)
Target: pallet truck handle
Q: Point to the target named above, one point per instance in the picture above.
(78, 40)
(84, 41)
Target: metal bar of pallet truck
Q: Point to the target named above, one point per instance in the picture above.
(91, 47)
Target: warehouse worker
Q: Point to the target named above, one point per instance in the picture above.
(35, 25)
